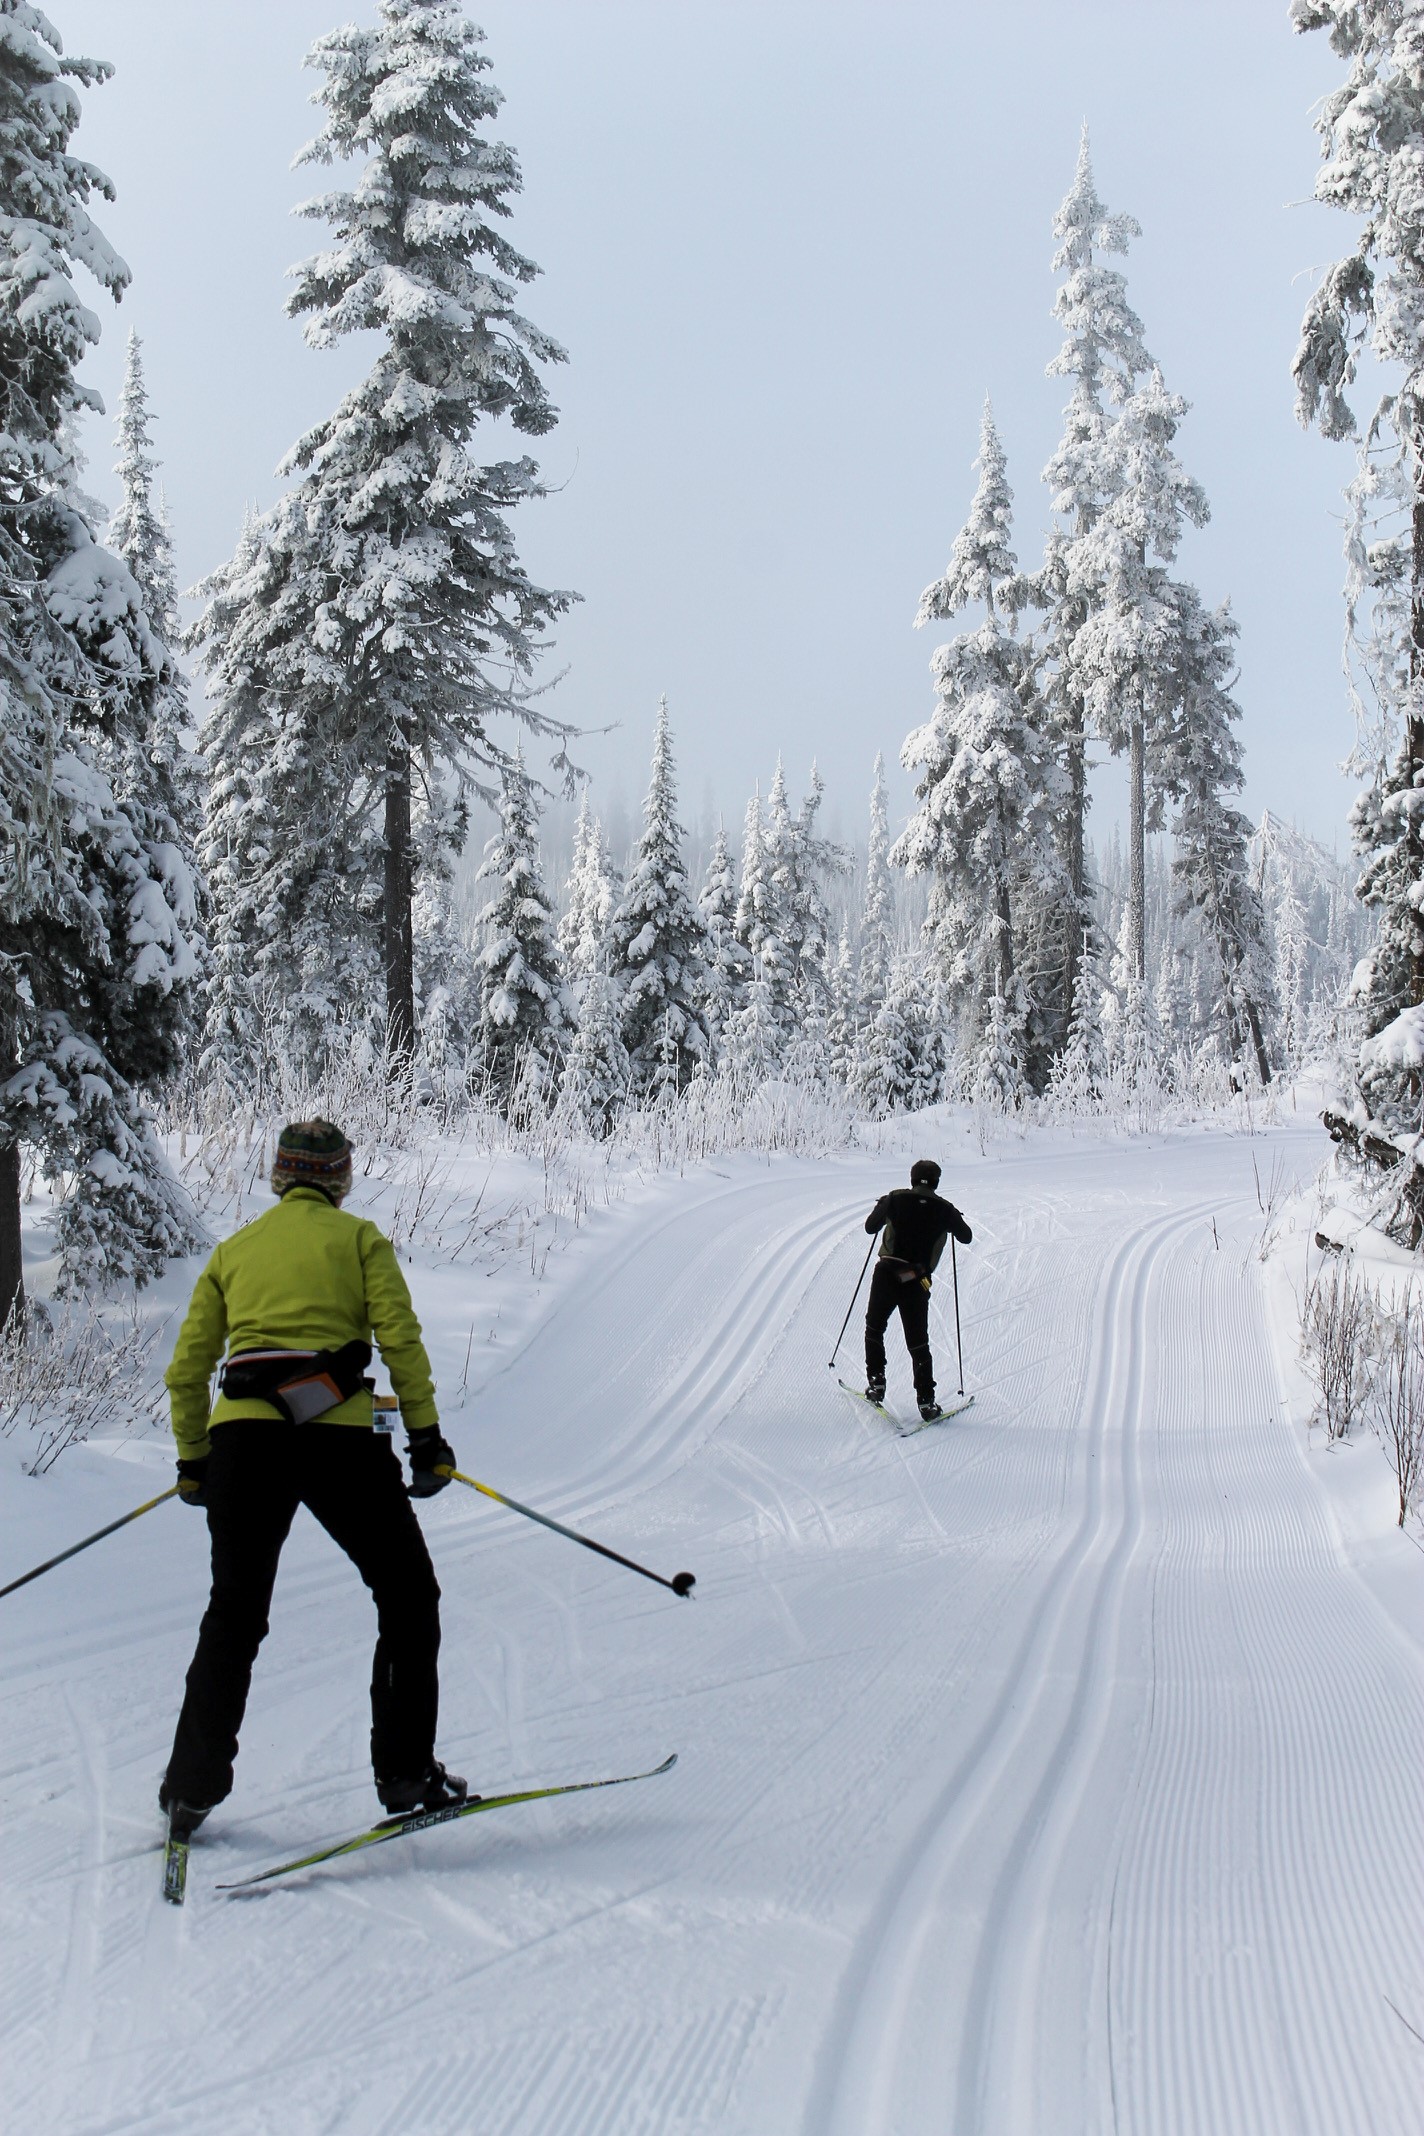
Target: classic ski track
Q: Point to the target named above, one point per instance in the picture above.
(1337, 1722)
(708, 1386)
(694, 2045)
(855, 2089)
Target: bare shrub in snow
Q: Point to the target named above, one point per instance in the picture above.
(62, 1376)
(1397, 1401)
(1337, 1324)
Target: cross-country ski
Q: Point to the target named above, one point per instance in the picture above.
(711, 1034)
(424, 1820)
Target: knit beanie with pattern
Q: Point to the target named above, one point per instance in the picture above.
(312, 1153)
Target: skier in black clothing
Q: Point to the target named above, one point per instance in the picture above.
(916, 1224)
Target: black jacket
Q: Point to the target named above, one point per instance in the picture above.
(916, 1224)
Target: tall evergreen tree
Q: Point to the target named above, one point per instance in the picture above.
(598, 1076)
(728, 963)
(1372, 144)
(794, 947)
(525, 1023)
(95, 958)
(138, 532)
(877, 915)
(656, 942)
(578, 928)
(399, 620)
(1211, 865)
(1127, 656)
(751, 919)
(293, 875)
(1104, 354)
(987, 778)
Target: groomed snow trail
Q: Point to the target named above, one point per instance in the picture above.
(1047, 1771)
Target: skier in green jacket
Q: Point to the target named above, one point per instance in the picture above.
(294, 1300)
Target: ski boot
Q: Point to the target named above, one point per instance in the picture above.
(183, 1818)
(929, 1411)
(435, 1790)
(875, 1391)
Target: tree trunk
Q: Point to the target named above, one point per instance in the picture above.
(1077, 753)
(1253, 1019)
(1137, 851)
(1414, 725)
(12, 1277)
(398, 943)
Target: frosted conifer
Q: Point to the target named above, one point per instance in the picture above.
(598, 1075)
(844, 1021)
(392, 559)
(1372, 145)
(987, 780)
(794, 935)
(728, 963)
(1126, 653)
(96, 908)
(656, 942)
(899, 1064)
(525, 1023)
(293, 877)
(877, 918)
(1211, 864)
(138, 531)
(997, 1074)
(1104, 354)
(751, 920)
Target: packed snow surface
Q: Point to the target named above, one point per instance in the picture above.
(1056, 1769)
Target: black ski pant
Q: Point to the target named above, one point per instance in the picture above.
(351, 1480)
(894, 1288)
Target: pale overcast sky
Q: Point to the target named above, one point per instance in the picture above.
(789, 248)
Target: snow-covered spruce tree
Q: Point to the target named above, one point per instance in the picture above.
(399, 620)
(1372, 143)
(1211, 862)
(656, 943)
(987, 780)
(1127, 655)
(899, 1063)
(1104, 354)
(293, 872)
(794, 941)
(138, 532)
(448, 987)
(95, 963)
(525, 1022)
(751, 918)
(590, 894)
(1317, 931)
(598, 1075)
(728, 963)
(877, 912)
(844, 1021)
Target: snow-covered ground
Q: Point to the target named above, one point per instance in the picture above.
(1058, 1769)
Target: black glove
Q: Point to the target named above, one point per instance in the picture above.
(429, 1451)
(193, 1481)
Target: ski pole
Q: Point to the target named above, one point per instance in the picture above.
(97, 1537)
(958, 1342)
(831, 1360)
(681, 1583)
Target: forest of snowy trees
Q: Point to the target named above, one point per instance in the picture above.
(226, 888)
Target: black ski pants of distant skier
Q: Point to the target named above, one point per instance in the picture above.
(896, 1288)
(351, 1480)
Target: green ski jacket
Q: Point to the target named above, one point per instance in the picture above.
(306, 1276)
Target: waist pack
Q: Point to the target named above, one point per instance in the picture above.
(300, 1384)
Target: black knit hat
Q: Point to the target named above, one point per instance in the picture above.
(924, 1172)
(312, 1153)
